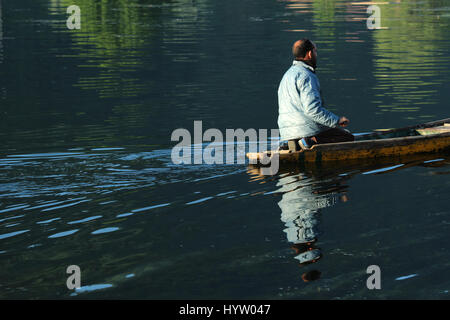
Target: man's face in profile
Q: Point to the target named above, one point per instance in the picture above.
(314, 56)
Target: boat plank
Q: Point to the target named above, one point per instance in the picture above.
(434, 130)
(380, 133)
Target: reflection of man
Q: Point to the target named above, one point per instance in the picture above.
(301, 205)
(303, 120)
(300, 208)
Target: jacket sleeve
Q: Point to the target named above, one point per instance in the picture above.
(312, 103)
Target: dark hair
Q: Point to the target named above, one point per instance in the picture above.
(301, 48)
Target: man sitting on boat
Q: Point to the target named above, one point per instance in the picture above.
(302, 120)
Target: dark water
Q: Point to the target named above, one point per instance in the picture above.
(86, 176)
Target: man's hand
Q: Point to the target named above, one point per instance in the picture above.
(343, 121)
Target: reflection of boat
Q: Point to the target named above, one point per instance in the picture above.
(352, 167)
(428, 137)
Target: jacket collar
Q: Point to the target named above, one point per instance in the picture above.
(301, 63)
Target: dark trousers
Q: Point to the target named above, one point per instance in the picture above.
(328, 136)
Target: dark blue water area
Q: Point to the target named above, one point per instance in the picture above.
(226, 232)
(88, 177)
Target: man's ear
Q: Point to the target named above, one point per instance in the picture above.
(308, 55)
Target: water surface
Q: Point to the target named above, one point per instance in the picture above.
(86, 175)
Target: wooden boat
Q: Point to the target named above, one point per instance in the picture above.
(430, 137)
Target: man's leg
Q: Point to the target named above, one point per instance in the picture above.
(329, 136)
(334, 135)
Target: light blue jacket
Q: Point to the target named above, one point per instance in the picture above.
(301, 113)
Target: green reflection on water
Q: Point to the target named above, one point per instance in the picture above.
(110, 42)
(408, 56)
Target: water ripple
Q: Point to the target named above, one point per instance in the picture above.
(105, 230)
(12, 234)
(84, 220)
(63, 234)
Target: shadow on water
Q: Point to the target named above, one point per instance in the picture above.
(308, 190)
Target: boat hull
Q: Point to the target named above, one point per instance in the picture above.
(365, 149)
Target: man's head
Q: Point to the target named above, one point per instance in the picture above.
(305, 50)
